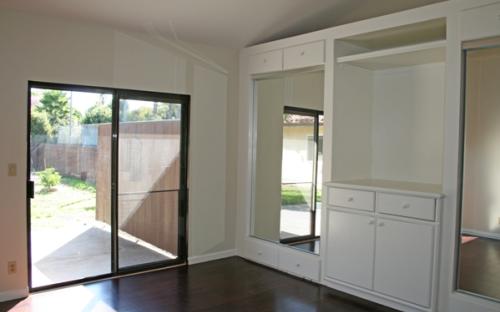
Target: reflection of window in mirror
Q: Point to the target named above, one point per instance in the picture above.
(478, 268)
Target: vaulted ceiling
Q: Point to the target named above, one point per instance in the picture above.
(227, 23)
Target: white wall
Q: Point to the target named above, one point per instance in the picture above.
(56, 50)
(407, 120)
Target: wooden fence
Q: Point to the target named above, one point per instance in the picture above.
(148, 177)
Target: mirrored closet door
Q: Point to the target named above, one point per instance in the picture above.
(479, 235)
(288, 130)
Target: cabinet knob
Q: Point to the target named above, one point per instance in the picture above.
(406, 206)
(350, 199)
(259, 253)
(298, 265)
(302, 53)
(381, 224)
(265, 61)
(371, 222)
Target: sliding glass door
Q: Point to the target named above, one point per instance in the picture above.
(107, 182)
(149, 184)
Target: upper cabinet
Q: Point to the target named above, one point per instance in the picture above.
(480, 22)
(305, 55)
(266, 62)
(294, 57)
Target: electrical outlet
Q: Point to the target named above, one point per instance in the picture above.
(12, 170)
(11, 267)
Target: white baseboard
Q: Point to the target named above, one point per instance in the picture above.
(212, 256)
(13, 294)
(481, 234)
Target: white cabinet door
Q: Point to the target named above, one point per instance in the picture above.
(266, 62)
(350, 249)
(403, 260)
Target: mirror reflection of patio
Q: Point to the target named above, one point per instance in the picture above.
(85, 251)
(295, 220)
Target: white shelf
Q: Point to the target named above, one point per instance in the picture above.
(423, 53)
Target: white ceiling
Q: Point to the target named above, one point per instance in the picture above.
(227, 23)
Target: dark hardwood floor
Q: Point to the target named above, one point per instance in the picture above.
(231, 284)
(480, 267)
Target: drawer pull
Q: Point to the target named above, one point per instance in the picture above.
(372, 222)
(350, 199)
(406, 206)
(259, 253)
(381, 224)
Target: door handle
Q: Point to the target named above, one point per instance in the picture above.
(31, 189)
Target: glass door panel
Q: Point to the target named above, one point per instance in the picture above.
(297, 175)
(70, 174)
(149, 168)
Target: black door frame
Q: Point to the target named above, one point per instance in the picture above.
(314, 196)
(115, 270)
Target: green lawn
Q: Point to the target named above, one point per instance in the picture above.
(296, 194)
(72, 201)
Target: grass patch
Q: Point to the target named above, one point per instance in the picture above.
(70, 203)
(296, 194)
(78, 184)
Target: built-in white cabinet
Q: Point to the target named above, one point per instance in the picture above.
(266, 62)
(299, 263)
(304, 55)
(404, 259)
(391, 136)
(390, 252)
(350, 251)
(294, 57)
(284, 258)
(480, 22)
(262, 252)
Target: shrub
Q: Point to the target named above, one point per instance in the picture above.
(49, 178)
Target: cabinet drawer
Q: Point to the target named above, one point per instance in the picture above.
(304, 55)
(299, 263)
(355, 199)
(262, 252)
(407, 206)
(266, 62)
(482, 22)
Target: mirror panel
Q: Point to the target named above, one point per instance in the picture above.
(287, 168)
(479, 241)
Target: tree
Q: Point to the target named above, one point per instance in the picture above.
(99, 113)
(160, 111)
(143, 113)
(55, 104)
(40, 124)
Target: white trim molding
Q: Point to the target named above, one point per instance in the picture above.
(212, 256)
(13, 294)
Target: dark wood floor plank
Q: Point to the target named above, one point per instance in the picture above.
(480, 267)
(232, 284)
